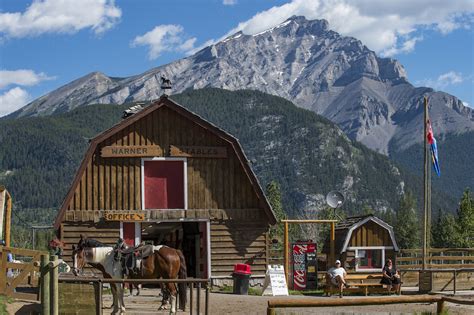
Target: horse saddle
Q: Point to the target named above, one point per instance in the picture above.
(131, 257)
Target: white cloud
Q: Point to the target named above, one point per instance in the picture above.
(21, 77)
(229, 2)
(163, 38)
(443, 80)
(60, 16)
(388, 27)
(12, 100)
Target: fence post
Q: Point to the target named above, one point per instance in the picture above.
(440, 306)
(198, 311)
(54, 286)
(191, 289)
(45, 282)
(207, 299)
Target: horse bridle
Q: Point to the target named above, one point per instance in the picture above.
(74, 269)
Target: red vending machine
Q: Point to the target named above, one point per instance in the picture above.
(304, 265)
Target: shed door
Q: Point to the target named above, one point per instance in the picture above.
(164, 184)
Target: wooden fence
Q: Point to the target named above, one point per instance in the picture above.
(14, 275)
(438, 258)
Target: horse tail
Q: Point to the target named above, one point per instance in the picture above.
(182, 288)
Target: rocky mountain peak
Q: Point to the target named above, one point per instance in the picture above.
(302, 60)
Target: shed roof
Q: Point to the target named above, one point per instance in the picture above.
(344, 229)
(352, 223)
(164, 101)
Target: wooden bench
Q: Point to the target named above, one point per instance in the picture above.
(365, 283)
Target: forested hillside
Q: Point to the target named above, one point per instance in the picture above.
(455, 161)
(305, 153)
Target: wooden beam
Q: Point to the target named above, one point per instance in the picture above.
(8, 218)
(325, 302)
(309, 221)
(332, 243)
(286, 260)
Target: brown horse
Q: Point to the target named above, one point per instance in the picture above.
(165, 262)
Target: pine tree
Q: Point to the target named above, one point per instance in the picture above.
(274, 198)
(465, 221)
(407, 223)
(445, 233)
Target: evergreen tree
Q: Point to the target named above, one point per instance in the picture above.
(444, 232)
(465, 221)
(407, 225)
(274, 198)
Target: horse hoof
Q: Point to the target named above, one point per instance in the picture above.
(163, 307)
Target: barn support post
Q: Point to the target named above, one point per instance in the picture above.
(45, 283)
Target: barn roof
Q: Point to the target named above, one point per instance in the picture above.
(164, 101)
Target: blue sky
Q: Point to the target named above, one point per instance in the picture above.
(46, 44)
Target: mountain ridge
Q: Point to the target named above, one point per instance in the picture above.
(306, 153)
(304, 61)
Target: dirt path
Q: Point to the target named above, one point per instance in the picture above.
(220, 303)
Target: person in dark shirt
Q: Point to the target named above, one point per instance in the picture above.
(391, 277)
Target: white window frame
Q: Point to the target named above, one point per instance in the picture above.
(357, 248)
(185, 172)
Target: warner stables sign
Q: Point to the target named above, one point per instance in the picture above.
(175, 150)
(124, 216)
(132, 151)
(198, 151)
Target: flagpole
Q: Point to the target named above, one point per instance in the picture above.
(425, 184)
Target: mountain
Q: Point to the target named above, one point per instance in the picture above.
(306, 153)
(301, 60)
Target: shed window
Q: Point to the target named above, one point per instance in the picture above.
(370, 258)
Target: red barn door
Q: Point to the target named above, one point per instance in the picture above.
(164, 184)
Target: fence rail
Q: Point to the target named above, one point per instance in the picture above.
(438, 258)
(299, 303)
(191, 282)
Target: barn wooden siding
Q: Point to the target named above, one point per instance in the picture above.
(115, 183)
(218, 189)
(370, 234)
(105, 232)
(237, 236)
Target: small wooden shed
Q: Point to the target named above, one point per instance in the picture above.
(167, 176)
(363, 243)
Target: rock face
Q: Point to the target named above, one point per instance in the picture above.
(303, 61)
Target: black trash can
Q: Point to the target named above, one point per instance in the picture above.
(241, 277)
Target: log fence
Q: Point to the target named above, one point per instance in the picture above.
(273, 305)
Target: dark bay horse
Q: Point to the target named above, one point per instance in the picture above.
(165, 262)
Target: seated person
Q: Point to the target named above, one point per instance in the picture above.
(335, 276)
(391, 277)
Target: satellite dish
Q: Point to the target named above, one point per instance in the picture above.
(335, 199)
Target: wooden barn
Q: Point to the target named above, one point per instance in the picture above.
(167, 176)
(363, 243)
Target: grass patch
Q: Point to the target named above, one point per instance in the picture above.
(3, 304)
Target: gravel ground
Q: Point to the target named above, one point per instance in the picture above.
(221, 303)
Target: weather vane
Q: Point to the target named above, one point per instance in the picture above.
(165, 85)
